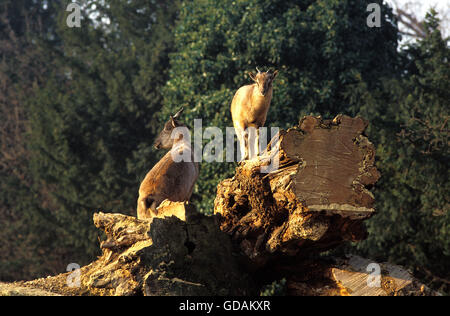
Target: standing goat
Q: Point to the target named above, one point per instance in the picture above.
(249, 109)
(169, 179)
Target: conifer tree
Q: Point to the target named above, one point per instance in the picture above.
(409, 118)
(91, 122)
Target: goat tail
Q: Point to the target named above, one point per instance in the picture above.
(147, 207)
(151, 204)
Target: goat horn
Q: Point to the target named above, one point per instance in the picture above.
(258, 70)
(177, 115)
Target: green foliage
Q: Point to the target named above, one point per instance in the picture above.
(409, 118)
(29, 244)
(83, 106)
(93, 121)
(276, 288)
(90, 124)
(320, 47)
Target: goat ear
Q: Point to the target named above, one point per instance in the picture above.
(275, 74)
(252, 76)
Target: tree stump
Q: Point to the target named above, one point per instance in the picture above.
(317, 198)
(180, 252)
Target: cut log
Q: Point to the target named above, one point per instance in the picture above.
(358, 276)
(316, 198)
(185, 254)
(170, 255)
(351, 276)
(267, 226)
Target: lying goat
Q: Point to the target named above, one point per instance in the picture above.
(249, 109)
(169, 179)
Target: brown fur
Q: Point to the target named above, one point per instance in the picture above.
(167, 179)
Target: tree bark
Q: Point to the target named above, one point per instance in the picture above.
(267, 226)
(180, 252)
(316, 199)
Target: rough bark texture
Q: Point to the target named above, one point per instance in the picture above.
(316, 199)
(267, 226)
(170, 255)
